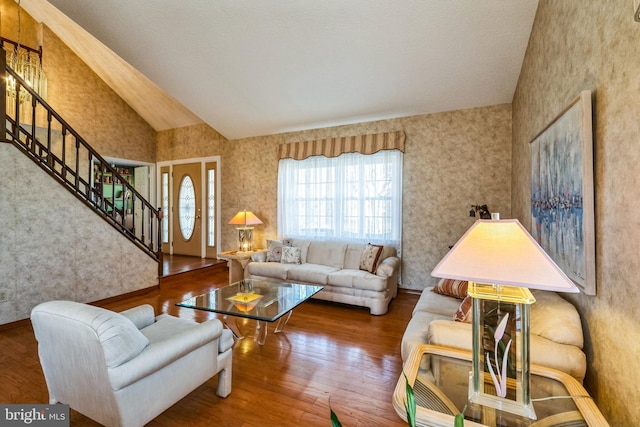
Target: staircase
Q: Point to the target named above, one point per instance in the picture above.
(42, 135)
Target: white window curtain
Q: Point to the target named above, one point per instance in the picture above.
(352, 197)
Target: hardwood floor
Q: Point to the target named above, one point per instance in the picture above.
(328, 351)
(175, 264)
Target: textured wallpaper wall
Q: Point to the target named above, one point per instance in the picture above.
(593, 44)
(452, 160)
(54, 247)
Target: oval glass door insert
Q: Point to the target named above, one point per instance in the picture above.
(186, 207)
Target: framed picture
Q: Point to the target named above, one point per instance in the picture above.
(562, 201)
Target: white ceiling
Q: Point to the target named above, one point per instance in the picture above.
(257, 67)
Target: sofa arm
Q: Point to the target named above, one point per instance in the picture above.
(160, 354)
(141, 316)
(449, 333)
(259, 256)
(388, 267)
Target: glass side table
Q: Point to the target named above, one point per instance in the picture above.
(440, 380)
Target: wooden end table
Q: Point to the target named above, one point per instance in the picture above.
(237, 261)
(440, 380)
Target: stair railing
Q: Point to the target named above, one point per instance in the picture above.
(47, 139)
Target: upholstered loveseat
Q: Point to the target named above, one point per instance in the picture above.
(351, 273)
(556, 338)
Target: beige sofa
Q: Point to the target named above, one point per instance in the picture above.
(334, 265)
(556, 332)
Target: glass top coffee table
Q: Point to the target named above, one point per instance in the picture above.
(262, 300)
(439, 377)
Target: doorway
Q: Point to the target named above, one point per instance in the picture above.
(188, 190)
(187, 208)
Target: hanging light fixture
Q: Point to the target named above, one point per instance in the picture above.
(27, 63)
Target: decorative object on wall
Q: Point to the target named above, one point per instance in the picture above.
(562, 204)
(501, 261)
(27, 63)
(245, 220)
(482, 209)
(636, 8)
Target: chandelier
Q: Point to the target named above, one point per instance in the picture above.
(27, 63)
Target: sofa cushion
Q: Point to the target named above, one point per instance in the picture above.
(290, 255)
(370, 257)
(304, 248)
(327, 253)
(435, 303)
(358, 279)
(544, 352)
(310, 273)
(556, 319)
(451, 287)
(273, 270)
(353, 255)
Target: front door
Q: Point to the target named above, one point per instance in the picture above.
(187, 209)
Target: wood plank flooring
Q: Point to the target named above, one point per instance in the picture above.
(328, 351)
(175, 264)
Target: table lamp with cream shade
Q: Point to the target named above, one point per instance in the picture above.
(501, 262)
(244, 221)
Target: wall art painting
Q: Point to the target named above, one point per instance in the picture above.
(562, 200)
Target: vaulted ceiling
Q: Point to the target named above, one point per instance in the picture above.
(257, 67)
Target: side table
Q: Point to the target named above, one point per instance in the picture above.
(237, 261)
(440, 380)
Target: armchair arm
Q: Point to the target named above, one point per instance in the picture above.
(388, 267)
(141, 316)
(160, 354)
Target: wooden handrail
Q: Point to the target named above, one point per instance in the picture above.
(71, 161)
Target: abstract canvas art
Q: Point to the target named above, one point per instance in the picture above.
(562, 203)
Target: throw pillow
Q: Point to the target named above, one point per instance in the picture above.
(464, 312)
(452, 288)
(370, 257)
(287, 242)
(290, 255)
(274, 250)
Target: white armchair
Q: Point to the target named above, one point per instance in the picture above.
(124, 369)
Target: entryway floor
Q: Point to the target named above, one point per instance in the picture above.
(176, 264)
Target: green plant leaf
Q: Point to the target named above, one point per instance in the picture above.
(335, 422)
(410, 403)
(459, 419)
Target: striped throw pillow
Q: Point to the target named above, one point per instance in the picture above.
(464, 312)
(452, 288)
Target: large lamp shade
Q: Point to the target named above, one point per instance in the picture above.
(503, 252)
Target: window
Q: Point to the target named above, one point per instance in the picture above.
(165, 207)
(187, 207)
(352, 197)
(211, 206)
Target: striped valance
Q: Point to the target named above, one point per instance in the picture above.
(333, 147)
